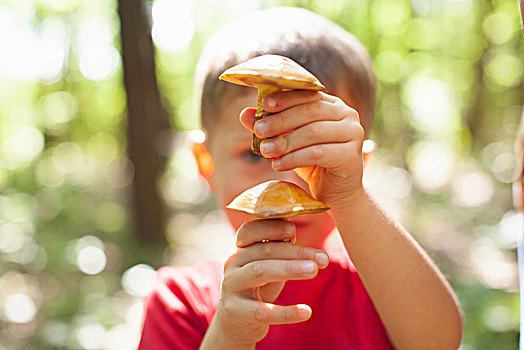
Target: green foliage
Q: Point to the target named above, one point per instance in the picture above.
(448, 107)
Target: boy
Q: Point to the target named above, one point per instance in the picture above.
(272, 294)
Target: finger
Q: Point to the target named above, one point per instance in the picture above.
(339, 157)
(288, 314)
(311, 134)
(247, 118)
(261, 272)
(283, 100)
(265, 230)
(293, 118)
(242, 311)
(282, 251)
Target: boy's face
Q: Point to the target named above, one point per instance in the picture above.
(237, 169)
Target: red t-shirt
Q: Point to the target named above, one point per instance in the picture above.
(182, 305)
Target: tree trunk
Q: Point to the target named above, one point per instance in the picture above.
(146, 119)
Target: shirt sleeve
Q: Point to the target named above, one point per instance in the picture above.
(181, 307)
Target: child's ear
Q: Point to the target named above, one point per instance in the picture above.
(368, 150)
(204, 161)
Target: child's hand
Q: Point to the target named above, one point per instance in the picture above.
(318, 136)
(254, 277)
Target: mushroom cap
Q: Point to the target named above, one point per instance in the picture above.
(277, 199)
(272, 70)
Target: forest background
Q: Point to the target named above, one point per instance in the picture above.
(98, 186)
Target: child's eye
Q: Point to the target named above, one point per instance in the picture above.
(251, 157)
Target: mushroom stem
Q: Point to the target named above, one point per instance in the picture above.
(263, 91)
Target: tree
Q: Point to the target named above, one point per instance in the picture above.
(147, 118)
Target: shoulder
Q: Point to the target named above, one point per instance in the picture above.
(203, 275)
(181, 306)
(178, 287)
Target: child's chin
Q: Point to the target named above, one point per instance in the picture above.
(321, 223)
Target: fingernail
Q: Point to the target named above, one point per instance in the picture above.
(308, 267)
(270, 101)
(289, 230)
(322, 259)
(304, 311)
(268, 147)
(261, 127)
(277, 163)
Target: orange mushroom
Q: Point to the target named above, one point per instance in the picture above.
(270, 73)
(277, 199)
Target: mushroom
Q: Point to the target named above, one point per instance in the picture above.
(277, 199)
(272, 73)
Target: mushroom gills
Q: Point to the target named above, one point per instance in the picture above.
(277, 199)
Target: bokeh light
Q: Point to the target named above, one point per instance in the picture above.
(510, 229)
(500, 318)
(183, 186)
(495, 268)
(504, 68)
(432, 165)
(390, 17)
(99, 59)
(47, 174)
(91, 260)
(99, 64)
(504, 167)
(432, 104)
(93, 31)
(58, 108)
(121, 337)
(19, 308)
(20, 145)
(173, 24)
(397, 183)
(120, 172)
(425, 8)
(139, 280)
(87, 254)
(387, 66)
(68, 157)
(19, 38)
(55, 333)
(134, 316)
(91, 336)
(197, 136)
(194, 234)
(54, 44)
(12, 237)
(18, 208)
(499, 28)
(472, 189)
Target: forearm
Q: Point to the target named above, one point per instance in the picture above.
(416, 304)
(217, 340)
